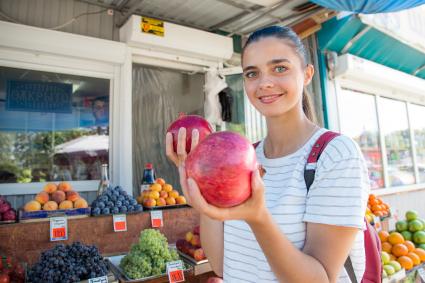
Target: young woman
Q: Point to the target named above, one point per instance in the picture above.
(283, 234)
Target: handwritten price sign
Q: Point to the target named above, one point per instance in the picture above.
(58, 229)
(175, 271)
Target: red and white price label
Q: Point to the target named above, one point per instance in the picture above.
(58, 229)
(377, 223)
(175, 271)
(156, 218)
(120, 222)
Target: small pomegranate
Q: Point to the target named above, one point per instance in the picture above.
(190, 122)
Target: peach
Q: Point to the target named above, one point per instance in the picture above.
(196, 241)
(161, 202)
(42, 197)
(173, 194)
(163, 194)
(170, 201)
(72, 195)
(32, 205)
(64, 187)
(155, 187)
(188, 236)
(66, 204)
(50, 188)
(140, 199)
(50, 205)
(149, 202)
(160, 181)
(80, 203)
(58, 196)
(199, 254)
(180, 200)
(167, 187)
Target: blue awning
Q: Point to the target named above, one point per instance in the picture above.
(351, 35)
(369, 6)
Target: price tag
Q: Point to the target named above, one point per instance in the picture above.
(421, 273)
(175, 271)
(377, 223)
(120, 222)
(103, 279)
(58, 229)
(156, 218)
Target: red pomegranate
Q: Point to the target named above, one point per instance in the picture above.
(222, 165)
(190, 122)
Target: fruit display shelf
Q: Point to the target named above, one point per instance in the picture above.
(44, 215)
(165, 207)
(114, 262)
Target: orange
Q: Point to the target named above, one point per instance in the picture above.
(410, 246)
(376, 207)
(415, 258)
(421, 253)
(372, 197)
(383, 236)
(160, 181)
(386, 247)
(395, 238)
(406, 262)
(399, 250)
(392, 257)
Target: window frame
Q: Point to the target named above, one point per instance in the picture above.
(361, 75)
(38, 49)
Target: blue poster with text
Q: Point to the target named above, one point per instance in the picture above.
(36, 96)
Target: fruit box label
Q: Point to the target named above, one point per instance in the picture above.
(103, 279)
(120, 222)
(175, 271)
(58, 229)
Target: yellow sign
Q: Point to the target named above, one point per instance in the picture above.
(152, 26)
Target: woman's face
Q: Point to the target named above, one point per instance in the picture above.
(274, 76)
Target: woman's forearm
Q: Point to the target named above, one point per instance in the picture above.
(212, 241)
(288, 263)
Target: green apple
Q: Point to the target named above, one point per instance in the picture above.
(401, 225)
(385, 257)
(415, 225)
(407, 235)
(419, 237)
(395, 264)
(389, 269)
(411, 215)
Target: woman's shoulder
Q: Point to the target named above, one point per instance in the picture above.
(342, 147)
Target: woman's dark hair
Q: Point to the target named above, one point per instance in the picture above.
(287, 34)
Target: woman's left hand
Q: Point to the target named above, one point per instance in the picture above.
(251, 211)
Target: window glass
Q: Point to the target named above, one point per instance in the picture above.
(53, 126)
(417, 115)
(395, 128)
(359, 121)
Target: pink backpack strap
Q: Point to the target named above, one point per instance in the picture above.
(317, 149)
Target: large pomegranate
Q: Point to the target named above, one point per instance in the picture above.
(222, 165)
(189, 122)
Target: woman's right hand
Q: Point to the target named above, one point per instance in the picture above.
(179, 157)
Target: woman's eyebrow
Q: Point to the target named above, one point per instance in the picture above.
(277, 61)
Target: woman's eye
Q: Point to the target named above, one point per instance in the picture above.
(250, 75)
(280, 69)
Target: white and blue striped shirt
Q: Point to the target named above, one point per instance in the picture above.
(338, 196)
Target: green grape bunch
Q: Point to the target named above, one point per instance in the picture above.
(149, 256)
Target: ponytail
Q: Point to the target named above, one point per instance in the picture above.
(308, 107)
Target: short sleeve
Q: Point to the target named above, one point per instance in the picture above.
(339, 192)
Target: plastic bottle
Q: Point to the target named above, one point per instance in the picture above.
(104, 180)
(148, 177)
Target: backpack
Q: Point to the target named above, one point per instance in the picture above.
(373, 271)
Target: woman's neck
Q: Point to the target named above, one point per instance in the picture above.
(286, 135)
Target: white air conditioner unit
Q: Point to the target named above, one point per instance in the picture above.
(176, 44)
